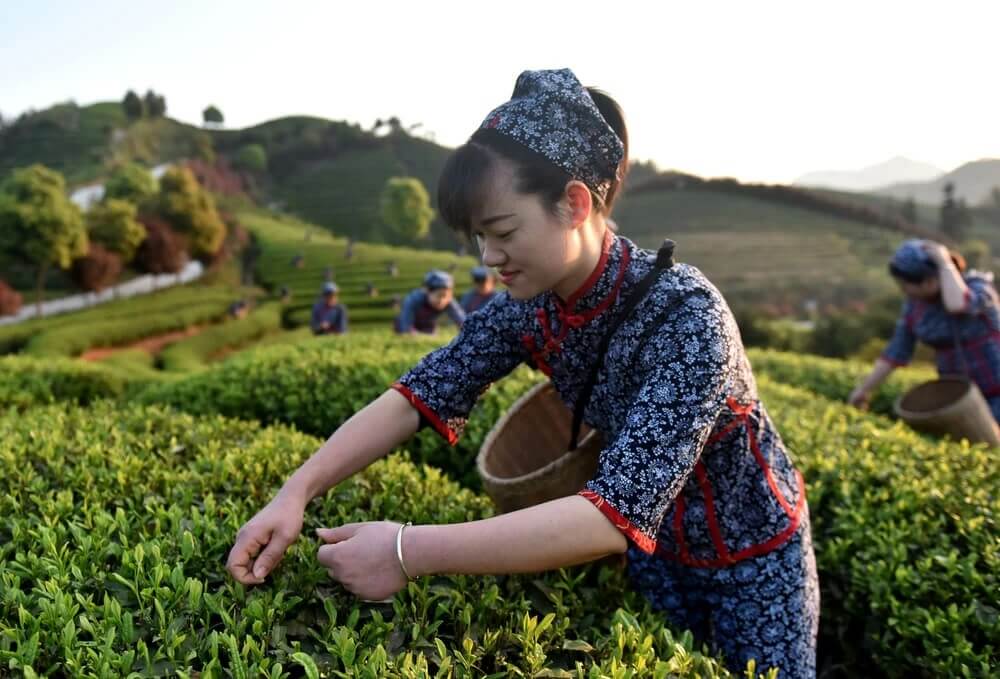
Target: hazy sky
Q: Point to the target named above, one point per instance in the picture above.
(756, 90)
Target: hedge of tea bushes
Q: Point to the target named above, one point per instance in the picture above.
(150, 309)
(906, 536)
(75, 339)
(884, 512)
(835, 378)
(318, 384)
(27, 381)
(194, 352)
(118, 521)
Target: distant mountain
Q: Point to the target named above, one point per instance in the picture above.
(892, 171)
(973, 182)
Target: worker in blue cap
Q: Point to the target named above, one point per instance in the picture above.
(483, 290)
(423, 306)
(329, 316)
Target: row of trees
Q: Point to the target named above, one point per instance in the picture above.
(152, 105)
(153, 226)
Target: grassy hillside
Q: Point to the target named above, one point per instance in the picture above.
(282, 239)
(758, 252)
(83, 142)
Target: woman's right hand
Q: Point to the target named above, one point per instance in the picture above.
(262, 541)
(859, 398)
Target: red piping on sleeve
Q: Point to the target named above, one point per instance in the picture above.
(630, 530)
(446, 432)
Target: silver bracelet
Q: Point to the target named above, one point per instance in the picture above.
(399, 549)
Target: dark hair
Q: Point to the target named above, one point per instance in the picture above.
(467, 172)
(917, 278)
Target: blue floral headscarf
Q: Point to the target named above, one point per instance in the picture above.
(551, 113)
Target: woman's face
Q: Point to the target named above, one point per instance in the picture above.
(440, 298)
(927, 290)
(530, 248)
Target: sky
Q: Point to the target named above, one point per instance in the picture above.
(759, 91)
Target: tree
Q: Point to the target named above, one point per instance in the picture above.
(212, 116)
(955, 216)
(191, 211)
(993, 206)
(39, 224)
(161, 251)
(156, 105)
(908, 210)
(133, 106)
(130, 182)
(253, 158)
(406, 207)
(113, 224)
(98, 269)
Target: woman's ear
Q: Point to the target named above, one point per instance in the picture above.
(580, 202)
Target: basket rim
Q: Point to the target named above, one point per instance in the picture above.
(917, 415)
(564, 459)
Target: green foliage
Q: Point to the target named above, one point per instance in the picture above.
(71, 341)
(145, 313)
(27, 381)
(194, 352)
(763, 253)
(155, 104)
(406, 207)
(212, 115)
(906, 537)
(119, 521)
(133, 106)
(833, 378)
(131, 182)
(282, 239)
(191, 211)
(38, 223)
(112, 223)
(253, 158)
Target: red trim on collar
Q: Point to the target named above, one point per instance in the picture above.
(552, 344)
(595, 275)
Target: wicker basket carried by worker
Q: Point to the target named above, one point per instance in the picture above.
(524, 460)
(951, 405)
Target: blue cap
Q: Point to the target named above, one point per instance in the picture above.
(911, 262)
(480, 274)
(330, 288)
(437, 279)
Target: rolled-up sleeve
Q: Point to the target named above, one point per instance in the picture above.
(446, 383)
(899, 351)
(683, 391)
(980, 294)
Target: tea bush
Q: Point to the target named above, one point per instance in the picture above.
(318, 384)
(906, 536)
(27, 381)
(118, 525)
(835, 378)
(192, 353)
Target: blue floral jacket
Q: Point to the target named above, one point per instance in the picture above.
(693, 469)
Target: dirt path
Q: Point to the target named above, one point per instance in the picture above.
(151, 345)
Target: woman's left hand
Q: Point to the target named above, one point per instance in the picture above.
(362, 557)
(937, 252)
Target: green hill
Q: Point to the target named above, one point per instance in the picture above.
(763, 245)
(762, 253)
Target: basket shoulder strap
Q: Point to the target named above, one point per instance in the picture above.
(664, 261)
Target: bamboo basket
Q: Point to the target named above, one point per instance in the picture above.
(524, 461)
(951, 405)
